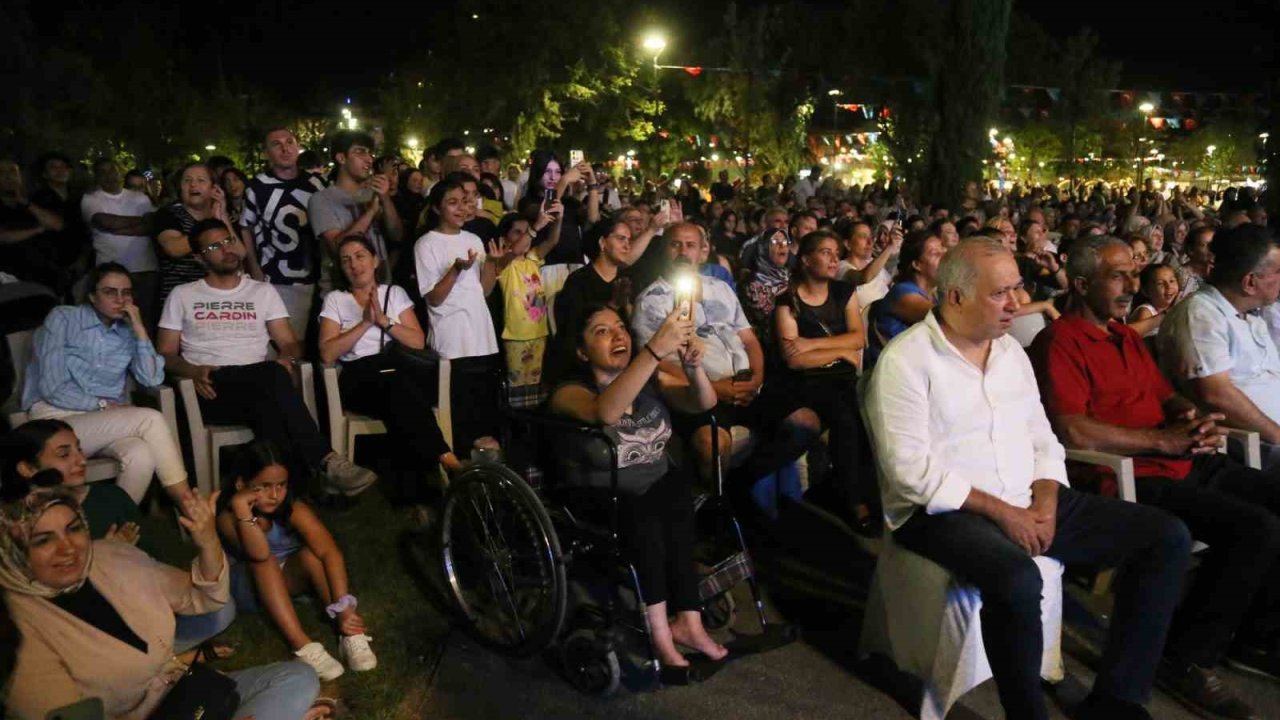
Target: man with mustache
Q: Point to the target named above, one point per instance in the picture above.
(1102, 391)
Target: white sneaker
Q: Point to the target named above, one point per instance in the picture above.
(314, 654)
(346, 477)
(355, 650)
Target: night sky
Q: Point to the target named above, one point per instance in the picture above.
(308, 51)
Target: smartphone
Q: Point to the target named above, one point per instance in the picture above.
(665, 205)
(685, 285)
(480, 203)
(548, 197)
(575, 157)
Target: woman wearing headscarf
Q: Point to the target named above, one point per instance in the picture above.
(97, 617)
(767, 281)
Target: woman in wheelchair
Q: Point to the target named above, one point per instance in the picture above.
(359, 326)
(656, 514)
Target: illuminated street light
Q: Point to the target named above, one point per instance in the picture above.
(1146, 108)
(833, 92)
(210, 148)
(655, 43)
(413, 143)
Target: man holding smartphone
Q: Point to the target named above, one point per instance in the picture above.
(733, 359)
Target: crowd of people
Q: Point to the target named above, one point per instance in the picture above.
(872, 347)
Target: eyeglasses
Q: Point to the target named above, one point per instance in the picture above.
(226, 242)
(114, 293)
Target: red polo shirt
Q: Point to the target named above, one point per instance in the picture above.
(1109, 376)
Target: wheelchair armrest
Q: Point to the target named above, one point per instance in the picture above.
(1121, 465)
(1251, 442)
(162, 398)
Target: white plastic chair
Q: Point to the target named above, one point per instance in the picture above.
(97, 469)
(928, 623)
(207, 441)
(1026, 327)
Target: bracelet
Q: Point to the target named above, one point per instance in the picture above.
(345, 602)
(251, 520)
(651, 352)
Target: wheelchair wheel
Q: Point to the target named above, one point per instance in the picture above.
(590, 664)
(719, 612)
(502, 561)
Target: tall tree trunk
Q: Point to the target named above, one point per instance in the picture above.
(970, 76)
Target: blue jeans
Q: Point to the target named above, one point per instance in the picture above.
(1152, 547)
(192, 630)
(279, 691)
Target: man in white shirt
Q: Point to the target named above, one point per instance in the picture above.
(733, 359)
(216, 331)
(1217, 349)
(806, 187)
(973, 478)
(117, 219)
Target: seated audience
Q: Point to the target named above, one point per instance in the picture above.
(911, 297)
(866, 269)
(629, 396)
(216, 331)
(734, 360)
(282, 549)
(973, 479)
(358, 324)
(1217, 349)
(1158, 291)
(1199, 260)
(119, 220)
(81, 361)
(765, 283)
(98, 617)
(1103, 391)
(820, 339)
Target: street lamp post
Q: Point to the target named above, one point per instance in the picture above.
(1146, 109)
(835, 94)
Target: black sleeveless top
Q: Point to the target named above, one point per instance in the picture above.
(825, 320)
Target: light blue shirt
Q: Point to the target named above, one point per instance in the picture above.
(78, 361)
(718, 318)
(1205, 335)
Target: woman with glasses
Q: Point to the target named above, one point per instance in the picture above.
(769, 279)
(82, 357)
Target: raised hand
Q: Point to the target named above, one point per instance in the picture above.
(198, 515)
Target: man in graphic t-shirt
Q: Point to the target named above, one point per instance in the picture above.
(279, 243)
(216, 331)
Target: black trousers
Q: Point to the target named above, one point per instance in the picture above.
(1236, 591)
(263, 397)
(1151, 546)
(657, 532)
(400, 396)
(835, 401)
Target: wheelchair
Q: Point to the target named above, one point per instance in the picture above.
(507, 546)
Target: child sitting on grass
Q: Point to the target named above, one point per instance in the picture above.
(279, 549)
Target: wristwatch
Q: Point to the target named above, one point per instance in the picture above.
(392, 321)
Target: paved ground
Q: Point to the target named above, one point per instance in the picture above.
(817, 677)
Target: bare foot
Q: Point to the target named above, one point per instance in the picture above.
(691, 634)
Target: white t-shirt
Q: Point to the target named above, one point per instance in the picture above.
(461, 325)
(132, 251)
(223, 327)
(341, 307)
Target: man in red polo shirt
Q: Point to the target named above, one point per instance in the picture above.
(1103, 391)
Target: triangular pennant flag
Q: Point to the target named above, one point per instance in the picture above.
(1174, 123)
(1157, 122)
(1054, 93)
(694, 71)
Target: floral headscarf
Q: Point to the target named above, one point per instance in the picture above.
(17, 519)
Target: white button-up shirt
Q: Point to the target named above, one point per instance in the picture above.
(1205, 335)
(943, 427)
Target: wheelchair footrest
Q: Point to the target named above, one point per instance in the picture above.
(775, 635)
(725, 574)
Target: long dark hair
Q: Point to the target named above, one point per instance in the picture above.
(912, 250)
(807, 245)
(24, 444)
(538, 162)
(249, 460)
(436, 197)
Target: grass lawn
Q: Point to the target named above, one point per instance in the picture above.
(407, 628)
